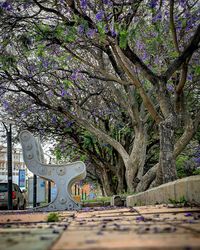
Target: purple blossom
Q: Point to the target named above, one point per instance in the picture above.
(188, 214)
(50, 93)
(140, 218)
(91, 33)
(179, 25)
(189, 77)
(75, 75)
(64, 92)
(80, 29)
(100, 15)
(182, 3)
(170, 87)
(197, 160)
(26, 5)
(6, 105)
(113, 33)
(106, 29)
(84, 4)
(45, 62)
(157, 17)
(6, 6)
(153, 4)
(53, 119)
(69, 124)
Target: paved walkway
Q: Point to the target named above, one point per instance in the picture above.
(151, 227)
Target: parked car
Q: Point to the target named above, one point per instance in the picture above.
(18, 197)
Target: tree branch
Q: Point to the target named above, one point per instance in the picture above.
(189, 50)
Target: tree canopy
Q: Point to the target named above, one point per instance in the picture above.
(118, 79)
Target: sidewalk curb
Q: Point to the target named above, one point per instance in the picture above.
(187, 188)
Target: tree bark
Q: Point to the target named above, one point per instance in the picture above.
(107, 183)
(166, 159)
(147, 179)
(137, 158)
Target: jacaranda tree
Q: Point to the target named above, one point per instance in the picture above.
(63, 54)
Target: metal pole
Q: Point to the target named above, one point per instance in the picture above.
(34, 190)
(75, 189)
(49, 191)
(9, 162)
(82, 194)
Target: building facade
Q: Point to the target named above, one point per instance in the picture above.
(17, 164)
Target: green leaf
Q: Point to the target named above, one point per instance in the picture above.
(197, 70)
(67, 83)
(123, 38)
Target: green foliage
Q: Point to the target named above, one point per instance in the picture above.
(101, 30)
(7, 61)
(58, 154)
(71, 35)
(181, 201)
(53, 217)
(196, 172)
(88, 139)
(123, 39)
(180, 166)
(40, 50)
(197, 70)
(67, 83)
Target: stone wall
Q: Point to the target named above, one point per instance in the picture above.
(186, 188)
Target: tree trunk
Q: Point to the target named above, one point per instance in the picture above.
(147, 179)
(166, 159)
(121, 185)
(137, 158)
(108, 182)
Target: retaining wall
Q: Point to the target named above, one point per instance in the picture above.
(187, 188)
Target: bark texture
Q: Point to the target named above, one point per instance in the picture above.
(166, 160)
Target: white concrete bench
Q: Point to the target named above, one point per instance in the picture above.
(64, 176)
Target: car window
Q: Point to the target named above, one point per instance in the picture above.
(3, 187)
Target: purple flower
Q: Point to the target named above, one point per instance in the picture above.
(84, 4)
(75, 75)
(157, 17)
(80, 29)
(69, 124)
(188, 214)
(113, 33)
(140, 218)
(100, 15)
(189, 77)
(197, 160)
(91, 33)
(6, 6)
(45, 62)
(153, 4)
(63, 92)
(182, 3)
(6, 105)
(107, 2)
(53, 120)
(170, 87)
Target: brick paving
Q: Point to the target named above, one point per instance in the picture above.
(149, 227)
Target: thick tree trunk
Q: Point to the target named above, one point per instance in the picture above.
(166, 159)
(134, 166)
(107, 183)
(147, 179)
(121, 185)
